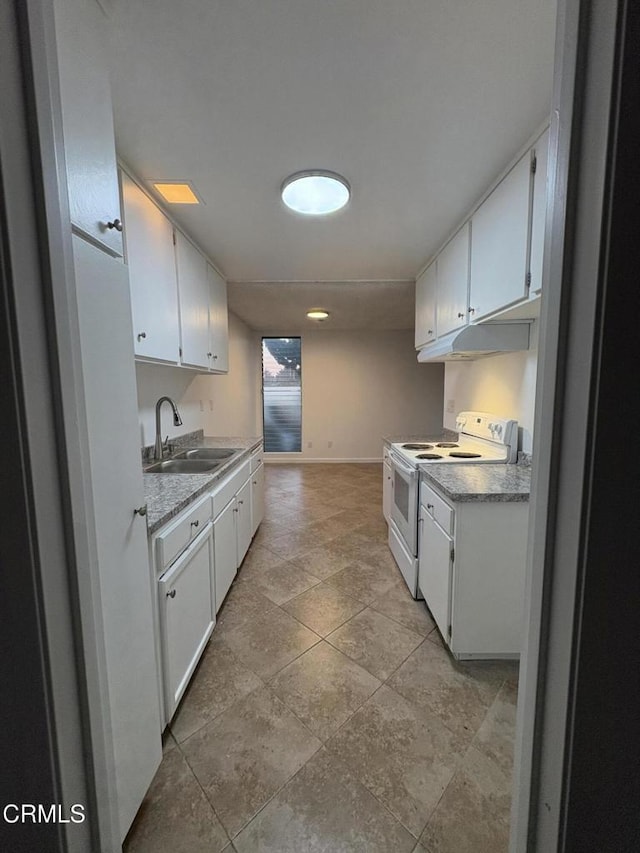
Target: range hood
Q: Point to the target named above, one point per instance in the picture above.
(475, 342)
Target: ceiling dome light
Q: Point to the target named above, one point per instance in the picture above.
(317, 314)
(315, 193)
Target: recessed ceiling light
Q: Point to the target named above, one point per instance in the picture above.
(176, 192)
(315, 193)
(317, 314)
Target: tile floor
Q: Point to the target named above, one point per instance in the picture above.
(325, 714)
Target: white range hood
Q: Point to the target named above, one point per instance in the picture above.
(475, 342)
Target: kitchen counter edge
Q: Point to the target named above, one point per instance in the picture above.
(480, 483)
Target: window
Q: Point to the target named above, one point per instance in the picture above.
(282, 394)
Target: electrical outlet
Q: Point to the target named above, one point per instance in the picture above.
(309, 444)
(201, 406)
(451, 407)
(329, 444)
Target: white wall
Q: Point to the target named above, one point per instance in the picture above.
(225, 405)
(360, 385)
(502, 384)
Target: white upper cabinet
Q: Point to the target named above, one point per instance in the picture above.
(426, 307)
(539, 211)
(453, 283)
(87, 124)
(218, 322)
(500, 243)
(193, 290)
(152, 276)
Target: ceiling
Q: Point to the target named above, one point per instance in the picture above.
(418, 103)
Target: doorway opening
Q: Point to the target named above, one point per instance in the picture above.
(282, 394)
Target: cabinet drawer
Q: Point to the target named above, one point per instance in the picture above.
(256, 459)
(437, 508)
(227, 488)
(180, 533)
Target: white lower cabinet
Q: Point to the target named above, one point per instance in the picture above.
(472, 558)
(244, 534)
(225, 550)
(187, 615)
(387, 487)
(257, 498)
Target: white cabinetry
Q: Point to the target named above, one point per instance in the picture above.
(193, 290)
(187, 615)
(150, 258)
(225, 551)
(472, 558)
(218, 352)
(257, 490)
(453, 283)
(538, 216)
(87, 123)
(500, 242)
(387, 485)
(244, 534)
(426, 307)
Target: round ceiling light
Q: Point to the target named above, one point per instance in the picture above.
(317, 314)
(315, 193)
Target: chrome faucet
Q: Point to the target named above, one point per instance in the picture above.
(177, 420)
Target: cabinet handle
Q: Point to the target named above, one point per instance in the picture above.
(429, 331)
(240, 502)
(142, 335)
(429, 506)
(209, 354)
(141, 510)
(255, 482)
(460, 315)
(472, 310)
(195, 523)
(171, 594)
(115, 224)
(215, 357)
(235, 509)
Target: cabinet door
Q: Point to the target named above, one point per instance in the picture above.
(121, 537)
(187, 616)
(499, 244)
(539, 211)
(435, 571)
(225, 549)
(87, 123)
(426, 307)
(387, 482)
(193, 292)
(257, 498)
(453, 283)
(218, 322)
(243, 499)
(150, 258)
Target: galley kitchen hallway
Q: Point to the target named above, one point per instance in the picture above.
(325, 714)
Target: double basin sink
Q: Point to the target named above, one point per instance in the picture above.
(197, 460)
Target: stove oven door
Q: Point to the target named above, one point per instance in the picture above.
(404, 504)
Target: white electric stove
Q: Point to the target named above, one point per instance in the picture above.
(482, 438)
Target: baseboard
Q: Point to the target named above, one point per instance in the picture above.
(288, 458)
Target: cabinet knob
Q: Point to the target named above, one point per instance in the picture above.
(115, 224)
(235, 509)
(142, 335)
(472, 310)
(429, 331)
(240, 502)
(255, 482)
(195, 523)
(171, 594)
(429, 506)
(141, 510)
(209, 354)
(460, 315)
(215, 357)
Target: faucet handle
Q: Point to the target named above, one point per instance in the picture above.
(168, 445)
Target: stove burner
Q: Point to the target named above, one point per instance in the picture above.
(447, 444)
(459, 454)
(428, 456)
(418, 446)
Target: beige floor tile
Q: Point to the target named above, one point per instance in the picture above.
(282, 582)
(365, 582)
(323, 560)
(175, 816)
(473, 814)
(375, 642)
(218, 683)
(324, 809)
(247, 754)
(404, 755)
(323, 688)
(495, 737)
(459, 694)
(168, 742)
(269, 642)
(296, 542)
(398, 605)
(323, 608)
(256, 560)
(243, 603)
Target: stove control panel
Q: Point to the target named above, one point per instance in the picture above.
(488, 426)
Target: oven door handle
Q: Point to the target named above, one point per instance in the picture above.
(402, 466)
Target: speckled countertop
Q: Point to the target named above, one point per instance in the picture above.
(167, 494)
(468, 482)
(445, 435)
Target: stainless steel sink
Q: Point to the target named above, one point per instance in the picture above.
(183, 466)
(219, 453)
